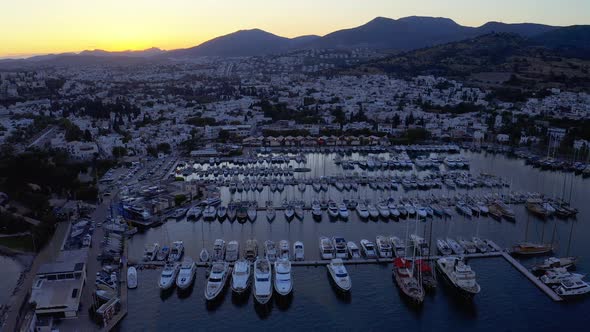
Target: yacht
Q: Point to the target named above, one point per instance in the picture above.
(383, 247)
(262, 281)
(443, 247)
(232, 251)
(298, 251)
(270, 213)
(399, 247)
(459, 275)
(368, 249)
(298, 209)
(131, 277)
(316, 186)
(289, 212)
(176, 252)
(218, 250)
(150, 252)
(558, 275)
(252, 213)
(373, 211)
(163, 253)
(284, 249)
(340, 248)
(221, 213)
(232, 211)
(339, 275)
(530, 249)
(343, 211)
(555, 262)
(283, 282)
(316, 210)
(480, 245)
(241, 276)
(209, 213)
(464, 209)
(270, 250)
(361, 210)
(573, 288)
(194, 213)
(204, 255)
(217, 280)
(251, 250)
(456, 247)
(326, 248)
(353, 250)
(383, 210)
(469, 246)
(168, 276)
(420, 245)
(333, 209)
(406, 281)
(186, 274)
(242, 214)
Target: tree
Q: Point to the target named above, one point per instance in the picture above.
(87, 136)
(119, 152)
(164, 148)
(179, 199)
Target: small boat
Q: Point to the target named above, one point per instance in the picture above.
(283, 282)
(241, 276)
(186, 274)
(168, 276)
(554, 262)
(573, 288)
(232, 211)
(252, 213)
(399, 247)
(383, 210)
(298, 209)
(406, 281)
(529, 249)
(368, 249)
(340, 248)
(326, 248)
(163, 253)
(339, 275)
(384, 249)
(251, 250)
(333, 209)
(204, 255)
(176, 252)
(284, 249)
(361, 210)
(443, 247)
(209, 213)
(316, 210)
(194, 213)
(459, 275)
(420, 245)
(150, 252)
(242, 213)
(221, 213)
(232, 251)
(480, 245)
(131, 277)
(373, 211)
(270, 251)
(217, 280)
(456, 247)
(289, 212)
(262, 281)
(353, 250)
(218, 250)
(298, 251)
(343, 211)
(469, 246)
(270, 213)
(558, 275)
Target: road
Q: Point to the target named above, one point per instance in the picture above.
(42, 137)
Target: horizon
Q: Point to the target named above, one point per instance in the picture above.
(114, 27)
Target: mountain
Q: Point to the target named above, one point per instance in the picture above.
(129, 53)
(572, 40)
(523, 29)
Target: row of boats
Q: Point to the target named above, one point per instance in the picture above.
(555, 273)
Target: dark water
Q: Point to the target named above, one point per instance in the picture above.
(508, 301)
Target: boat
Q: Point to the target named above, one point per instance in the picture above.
(232, 211)
(333, 209)
(131, 277)
(270, 250)
(218, 250)
(339, 275)
(163, 253)
(168, 275)
(176, 252)
(426, 274)
(340, 247)
(221, 212)
(558, 275)
(368, 249)
(232, 251)
(252, 213)
(326, 248)
(459, 275)
(241, 276)
(464, 209)
(283, 282)
(555, 262)
(480, 245)
(316, 210)
(573, 288)
(399, 247)
(251, 250)
(217, 280)
(284, 249)
(289, 212)
(270, 213)
(298, 209)
(343, 211)
(383, 210)
(469, 246)
(384, 249)
(353, 250)
(209, 213)
(443, 247)
(373, 211)
(298, 251)
(529, 249)
(194, 213)
(506, 211)
(409, 285)
(186, 274)
(455, 246)
(242, 213)
(150, 252)
(420, 245)
(361, 210)
(262, 281)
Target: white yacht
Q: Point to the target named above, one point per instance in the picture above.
(218, 250)
(186, 274)
(298, 209)
(316, 210)
(209, 213)
(204, 255)
(573, 288)
(443, 247)
(383, 210)
(270, 250)
(373, 211)
(168, 276)
(340, 248)
(420, 245)
(480, 244)
(217, 280)
(176, 252)
(459, 275)
(241, 276)
(221, 212)
(384, 247)
(150, 252)
(333, 210)
(559, 275)
(368, 249)
(251, 250)
(194, 213)
(298, 251)
(361, 210)
(339, 275)
(343, 211)
(289, 212)
(470, 248)
(353, 250)
(262, 281)
(284, 249)
(455, 246)
(283, 282)
(131, 277)
(326, 248)
(399, 246)
(270, 213)
(252, 213)
(232, 251)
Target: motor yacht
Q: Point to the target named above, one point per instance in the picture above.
(176, 252)
(217, 280)
(209, 213)
(353, 250)
(443, 247)
(383, 210)
(131, 277)
(298, 251)
(168, 276)
(368, 249)
(221, 213)
(298, 209)
(204, 255)
(186, 274)
(232, 251)
(283, 281)
(558, 275)
(284, 249)
(262, 281)
(573, 288)
(361, 210)
(384, 249)
(340, 249)
(251, 250)
(289, 212)
(420, 245)
(333, 209)
(163, 253)
(469, 246)
(270, 250)
(252, 213)
(218, 250)
(455, 247)
(316, 210)
(343, 211)
(241, 276)
(459, 275)
(373, 211)
(399, 246)
(150, 252)
(339, 275)
(270, 213)
(326, 248)
(480, 244)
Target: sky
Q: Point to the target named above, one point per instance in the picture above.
(30, 27)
